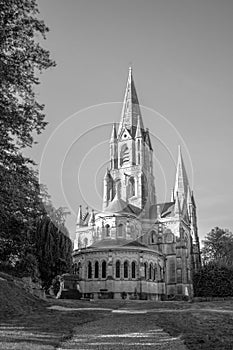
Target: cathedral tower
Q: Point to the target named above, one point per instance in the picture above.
(130, 177)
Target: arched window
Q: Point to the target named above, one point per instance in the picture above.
(133, 269)
(75, 269)
(145, 270)
(139, 145)
(131, 188)
(139, 159)
(96, 269)
(107, 230)
(150, 271)
(124, 155)
(89, 270)
(155, 273)
(104, 267)
(85, 242)
(126, 269)
(79, 269)
(118, 269)
(120, 230)
(153, 237)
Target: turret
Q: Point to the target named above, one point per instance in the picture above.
(79, 217)
(108, 189)
(113, 148)
(92, 219)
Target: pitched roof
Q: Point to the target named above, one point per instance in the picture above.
(166, 209)
(119, 242)
(118, 205)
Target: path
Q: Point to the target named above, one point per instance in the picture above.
(122, 330)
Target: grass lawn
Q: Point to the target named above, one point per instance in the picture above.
(43, 329)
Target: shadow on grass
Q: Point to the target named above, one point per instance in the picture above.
(43, 329)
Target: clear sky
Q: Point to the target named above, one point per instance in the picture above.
(182, 53)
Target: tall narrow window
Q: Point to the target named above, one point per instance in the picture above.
(131, 188)
(155, 273)
(150, 271)
(85, 242)
(124, 155)
(104, 267)
(107, 230)
(96, 269)
(79, 270)
(153, 237)
(118, 269)
(126, 268)
(133, 269)
(120, 230)
(89, 270)
(145, 270)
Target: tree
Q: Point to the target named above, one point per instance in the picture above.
(21, 59)
(218, 247)
(21, 117)
(53, 249)
(215, 278)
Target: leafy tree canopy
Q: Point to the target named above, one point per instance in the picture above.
(21, 59)
(218, 247)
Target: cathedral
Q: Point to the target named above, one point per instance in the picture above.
(137, 248)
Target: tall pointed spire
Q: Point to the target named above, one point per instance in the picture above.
(114, 134)
(92, 218)
(139, 128)
(131, 110)
(181, 182)
(80, 217)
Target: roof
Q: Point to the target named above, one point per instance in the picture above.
(166, 209)
(118, 205)
(119, 242)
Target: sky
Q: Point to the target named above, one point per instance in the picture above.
(181, 53)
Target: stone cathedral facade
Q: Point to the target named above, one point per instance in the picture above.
(137, 248)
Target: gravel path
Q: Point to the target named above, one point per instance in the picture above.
(122, 331)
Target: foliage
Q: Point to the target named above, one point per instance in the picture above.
(53, 250)
(213, 280)
(218, 247)
(21, 58)
(21, 117)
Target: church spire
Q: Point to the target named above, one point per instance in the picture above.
(181, 182)
(131, 110)
(139, 128)
(114, 134)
